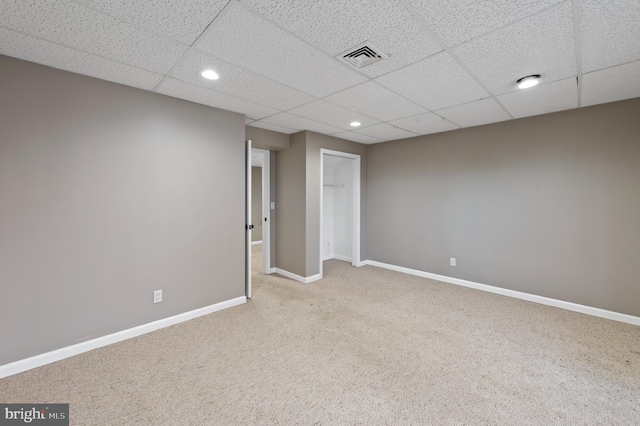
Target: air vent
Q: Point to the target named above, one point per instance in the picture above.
(362, 56)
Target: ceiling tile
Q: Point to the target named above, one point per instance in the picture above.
(299, 123)
(43, 52)
(547, 98)
(436, 82)
(357, 137)
(609, 31)
(273, 127)
(179, 89)
(248, 120)
(183, 21)
(476, 113)
(242, 38)
(238, 82)
(335, 26)
(402, 54)
(461, 20)
(612, 84)
(542, 44)
(385, 132)
(333, 115)
(74, 25)
(425, 124)
(375, 101)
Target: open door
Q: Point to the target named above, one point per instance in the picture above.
(248, 226)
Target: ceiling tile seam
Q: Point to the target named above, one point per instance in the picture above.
(129, 24)
(464, 103)
(612, 66)
(392, 125)
(407, 64)
(269, 124)
(362, 114)
(575, 10)
(82, 51)
(451, 121)
(271, 22)
(517, 21)
(437, 38)
(359, 134)
(383, 87)
(254, 73)
(434, 113)
(223, 94)
(377, 140)
(327, 124)
(193, 46)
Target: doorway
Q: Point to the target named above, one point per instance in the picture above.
(339, 207)
(258, 239)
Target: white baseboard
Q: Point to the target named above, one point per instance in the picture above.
(305, 280)
(271, 271)
(337, 257)
(313, 278)
(255, 243)
(69, 351)
(589, 310)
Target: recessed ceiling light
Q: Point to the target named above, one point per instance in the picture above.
(210, 75)
(528, 81)
(355, 124)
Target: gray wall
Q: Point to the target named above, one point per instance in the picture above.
(256, 203)
(266, 139)
(290, 206)
(315, 142)
(109, 193)
(548, 205)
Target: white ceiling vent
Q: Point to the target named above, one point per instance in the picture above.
(362, 55)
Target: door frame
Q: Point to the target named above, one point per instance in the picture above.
(355, 227)
(266, 210)
(247, 216)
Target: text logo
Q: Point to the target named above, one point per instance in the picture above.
(34, 414)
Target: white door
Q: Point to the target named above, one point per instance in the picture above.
(249, 225)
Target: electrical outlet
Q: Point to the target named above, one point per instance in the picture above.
(273, 205)
(452, 261)
(157, 296)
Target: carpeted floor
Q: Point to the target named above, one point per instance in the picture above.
(362, 346)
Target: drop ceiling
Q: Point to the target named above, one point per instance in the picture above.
(450, 64)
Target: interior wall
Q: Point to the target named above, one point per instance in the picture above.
(256, 203)
(266, 139)
(109, 193)
(291, 206)
(315, 142)
(547, 205)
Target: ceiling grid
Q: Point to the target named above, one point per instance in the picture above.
(450, 64)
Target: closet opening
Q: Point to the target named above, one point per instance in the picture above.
(340, 207)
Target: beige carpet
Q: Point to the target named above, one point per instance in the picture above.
(363, 346)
